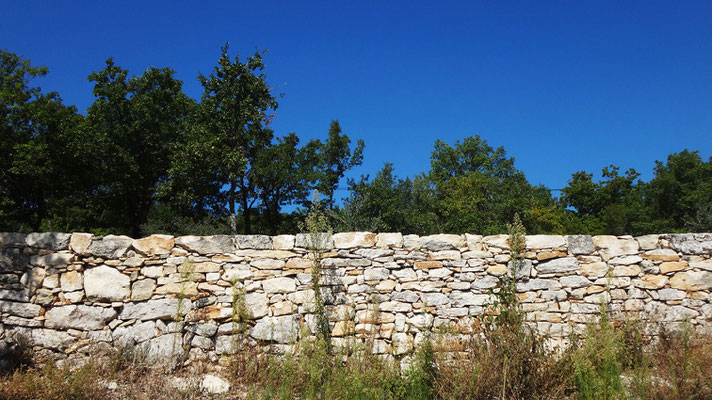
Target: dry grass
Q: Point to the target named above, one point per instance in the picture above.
(606, 363)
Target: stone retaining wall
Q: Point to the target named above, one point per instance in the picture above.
(73, 293)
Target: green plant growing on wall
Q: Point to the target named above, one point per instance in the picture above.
(318, 230)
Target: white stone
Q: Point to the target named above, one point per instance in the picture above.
(375, 274)
(279, 285)
(558, 266)
(154, 245)
(611, 246)
(214, 385)
(110, 246)
(389, 240)
(544, 241)
(350, 240)
(79, 317)
(256, 305)
(104, 283)
(283, 242)
(154, 309)
(284, 329)
(442, 242)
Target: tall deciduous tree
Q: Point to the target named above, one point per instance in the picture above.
(478, 189)
(335, 158)
(234, 114)
(134, 122)
(35, 134)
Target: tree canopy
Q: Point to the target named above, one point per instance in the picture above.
(147, 158)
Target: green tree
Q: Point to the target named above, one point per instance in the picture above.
(132, 125)
(680, 194)
(613, 205)
(335, 158)
(478, 189)
(233, 134)
(36, 134)
(387, 204)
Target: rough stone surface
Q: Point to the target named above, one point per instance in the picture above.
(48, 240)
(350, 240)
(558, 266)
(391, 240)
(154, 245)
(110, 246)
(214, 385)
(690, 243)
(545, 241)
(207, 244)
(258, 242)
(106, 284)
(442, 242)
(611, 246)
(79, 317)
(692, 280)
(283, 329)
(154, 309)
(79, 242)
(115, 291)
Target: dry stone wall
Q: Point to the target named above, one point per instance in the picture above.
(197, 297)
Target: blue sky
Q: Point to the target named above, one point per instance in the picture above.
(561, 85)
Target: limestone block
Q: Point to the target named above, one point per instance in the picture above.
(51, 339)
(203, 245)
(279, 285)
(474, 242)
(283, 242)
(389, 240)
(109, 246)
(442, 242)
(692, 280)
(58, 260)
(48, 240)
(672, 266)
(79, 317)
(558, 266)
(375, 274)
(142, 289)
(154, 245)
(318, 241)
(580, 244)
(538, 284)
(627, 270)
(257, 242)
(284, 329)
(267, 263)
(256, 305)
(12, 239)
(652, 281)
(154, 309)
(625, 260)
(104, 283)
(648, 242)
(537, 242)
(350, 240)
(574, 281)
(412, 242)
(24, 310)
(689, 243)
(498, 241)
(434, 299)
(71, 281)
(611, 246)
(79, 242)
(465, 299)
(661, 255)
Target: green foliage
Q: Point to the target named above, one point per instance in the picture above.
(318, 229)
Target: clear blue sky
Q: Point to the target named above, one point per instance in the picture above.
(561, 85)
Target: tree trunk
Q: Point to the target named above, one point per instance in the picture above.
(231, 206)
